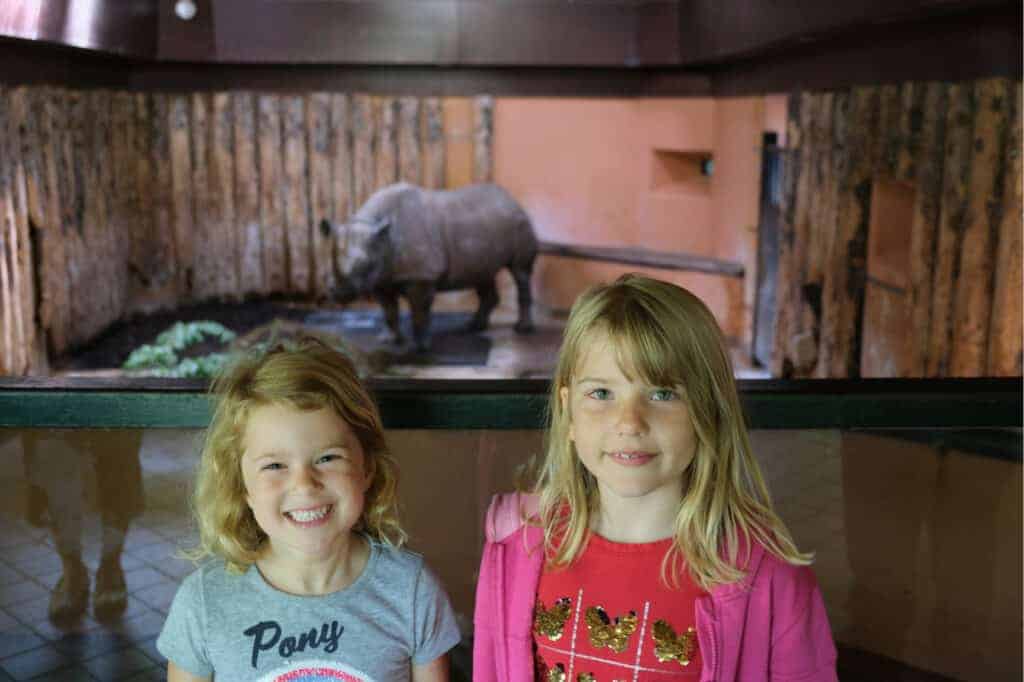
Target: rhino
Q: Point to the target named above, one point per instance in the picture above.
(412, 242)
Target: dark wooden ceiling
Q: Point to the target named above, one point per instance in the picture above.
(626, 47)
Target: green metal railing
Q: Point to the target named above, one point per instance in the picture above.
(515, 404)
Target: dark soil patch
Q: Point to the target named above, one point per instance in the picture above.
(112, 347)
(359, 327)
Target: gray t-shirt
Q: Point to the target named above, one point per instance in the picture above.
(238, 627)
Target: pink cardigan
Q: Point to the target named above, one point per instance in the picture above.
(771, 626)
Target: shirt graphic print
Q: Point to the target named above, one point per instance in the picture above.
(316, 671)
(608, 617)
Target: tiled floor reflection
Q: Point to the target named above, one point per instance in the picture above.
(31, 646)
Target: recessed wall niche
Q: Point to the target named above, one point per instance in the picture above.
(681, 172)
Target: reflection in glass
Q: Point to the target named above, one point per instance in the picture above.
(917, 537)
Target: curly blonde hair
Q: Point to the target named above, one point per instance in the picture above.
(306, 375)
(671, 338)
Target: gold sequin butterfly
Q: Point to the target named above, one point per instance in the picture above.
(604, 633)
(556, 674)
(668, 647)
(551, 623)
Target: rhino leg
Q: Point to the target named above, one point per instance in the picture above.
(522, 278)
(389, 302)
(487, 294)
(421, 297)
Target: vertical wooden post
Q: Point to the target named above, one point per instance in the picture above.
(409, 162)
(113, 229)
(1006, 330)
(887, 144)
(34, 155)
(785, 274)
(433, 144)
(319, 147)
(364, 136)
(387, 144)
(801, 319)
(130, 248)
(927, 164)
(96, 262)
(19, 105)
(163, 223)
(837, 168)
(821, 215)
(8, 339)
(55, 264)
(10, 277)
(275, 260)
(912, 126)
(341, 158)
(183, 211)
(296, 196)
(959, 121)
(843, 295)
(222, 200)
(204, 280)
(82, 298)
(148, 259)
(247, 196)
(973, 303)
(483, 139)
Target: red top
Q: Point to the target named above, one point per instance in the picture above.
(610, 616)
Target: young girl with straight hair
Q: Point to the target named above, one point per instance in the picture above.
(648, 548)
(296, 505)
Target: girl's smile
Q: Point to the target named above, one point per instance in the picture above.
(632, 458)
(309, 518)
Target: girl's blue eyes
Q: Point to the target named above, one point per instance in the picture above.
(323, 459)
(658, 395)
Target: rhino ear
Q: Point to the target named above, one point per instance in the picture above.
(325, 227)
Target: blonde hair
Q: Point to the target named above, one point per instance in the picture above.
(305, 375)
(670, 338)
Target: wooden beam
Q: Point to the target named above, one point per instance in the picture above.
(645, 258)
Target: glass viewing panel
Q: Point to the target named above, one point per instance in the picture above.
(917, 535)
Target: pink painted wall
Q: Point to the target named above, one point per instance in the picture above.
(588, 173)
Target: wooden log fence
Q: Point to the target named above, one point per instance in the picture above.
(116, 202)
(119, 202)
(955, 150)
